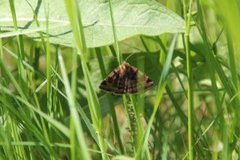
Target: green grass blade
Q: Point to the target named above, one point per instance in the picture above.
(20, 46)
(119, 56)
(113, 112)
(94, 107)
(160, 90)
(84, 154)
(187, 9)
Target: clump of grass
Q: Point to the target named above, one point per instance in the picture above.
(51, 107)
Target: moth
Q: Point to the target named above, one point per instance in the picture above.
(126, 79)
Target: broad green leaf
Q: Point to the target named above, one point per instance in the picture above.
(132, 17)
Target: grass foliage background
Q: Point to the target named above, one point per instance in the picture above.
(51, 106)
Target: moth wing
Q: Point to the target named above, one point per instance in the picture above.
(113, 83)
(126, 79)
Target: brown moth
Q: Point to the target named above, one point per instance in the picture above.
(126, 79)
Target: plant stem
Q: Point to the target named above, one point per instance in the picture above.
(187, 17)
(119, 55)
(110, 101)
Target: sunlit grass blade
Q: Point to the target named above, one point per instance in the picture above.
(160, 90)
(57, 124)
(187, 9)
(119, 55)
(49, 64)
(21, 70)
(74, 114)
(22, 116)
(74, 14)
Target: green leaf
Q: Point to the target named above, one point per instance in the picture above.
(132, 17)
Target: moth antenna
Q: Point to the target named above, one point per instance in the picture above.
(130, 56)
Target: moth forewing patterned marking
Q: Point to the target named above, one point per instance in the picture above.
(126, 79)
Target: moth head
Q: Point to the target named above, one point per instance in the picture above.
(123, 67)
